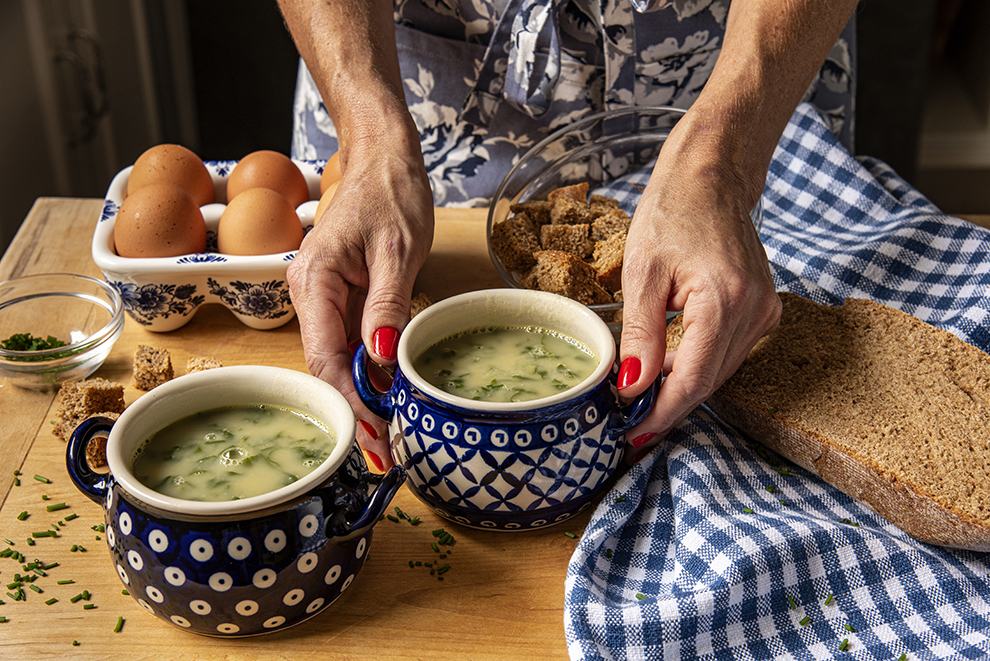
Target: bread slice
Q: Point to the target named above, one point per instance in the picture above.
(78, 400)
(609, 256)
(886, 408)
(514, 240)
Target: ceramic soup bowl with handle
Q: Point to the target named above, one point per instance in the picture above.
(505, 465)
(235, 567)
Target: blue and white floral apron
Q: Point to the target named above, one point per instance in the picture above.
(486, 80)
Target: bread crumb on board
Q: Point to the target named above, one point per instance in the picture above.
(570, 244)
(152, 367)
(419, 303)
(202, 363)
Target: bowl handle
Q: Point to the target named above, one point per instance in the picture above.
(633, 413)
(374, 509)
(379, 403)
(94, 485)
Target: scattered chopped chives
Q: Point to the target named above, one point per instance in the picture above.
(442, 556)
(783, 502)
(844, 644)
(620, 499)
(17, 481)
(76, 598)
(51, 601)
(608, 553)
(119, 625)
(640, 596)
(438, 532)
(828, 599)
(902, 657)
(435, 547)
(88, 607)
(849, 628)
(75, 547)
(442, 569)
(75, 643)
(770, 488)
(56, 507)
(23, 515)
(9, 543)
(99, 528)
(67, 581)
(85, 595)
(419, 563)
(36, 588)
(427, 564)
(805, 620)
(790, 600)
(82, 549)
(16, 472)
(747, 510)
(392, 518)
(6, 553)
(42, 478)
(125, 593)
(411, 564)
(50, 565)
(44, 496)
(2, 619)
(70, 517)
(30, 542)
(44, 533)
(783, 471)
(570, 534)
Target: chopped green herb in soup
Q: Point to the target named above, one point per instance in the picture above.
(232, 453)
(506, 364)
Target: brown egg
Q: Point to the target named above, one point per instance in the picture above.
(331, 172)
(325, 201)
(272, 170)
(173, 164)
(259, 221)
(159, 220)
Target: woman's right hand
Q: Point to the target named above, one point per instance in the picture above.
(352, 278)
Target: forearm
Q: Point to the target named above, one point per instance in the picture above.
(350, 51)
(771, 53)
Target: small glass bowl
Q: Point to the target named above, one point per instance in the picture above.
(85, 313)
(614, 151)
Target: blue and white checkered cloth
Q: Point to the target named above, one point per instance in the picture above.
(711, 548)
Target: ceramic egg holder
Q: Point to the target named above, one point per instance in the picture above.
(163, 293)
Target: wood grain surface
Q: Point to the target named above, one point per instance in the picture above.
(502, 598)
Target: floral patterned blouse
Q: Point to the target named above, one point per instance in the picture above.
(486, 80)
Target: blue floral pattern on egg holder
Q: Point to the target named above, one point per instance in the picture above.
(509, 471)
(278, 568)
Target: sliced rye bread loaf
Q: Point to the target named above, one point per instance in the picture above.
(888, 409)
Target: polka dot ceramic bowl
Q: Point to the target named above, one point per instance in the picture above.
(241, 567)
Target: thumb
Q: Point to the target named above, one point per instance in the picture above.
(643, 342)
(386, 312)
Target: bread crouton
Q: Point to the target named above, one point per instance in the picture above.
(152, 367)
(574, 239)
(78, 400)
(514, 240)
(614, 221)
(566, 274)
(608, 256)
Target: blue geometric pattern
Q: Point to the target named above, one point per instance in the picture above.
(712, 547)
(507, 471)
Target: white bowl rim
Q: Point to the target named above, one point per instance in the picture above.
(224, 377)
(602, 345)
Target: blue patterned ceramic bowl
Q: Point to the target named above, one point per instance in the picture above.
(163, 294)
(240, 567)
(505, 466)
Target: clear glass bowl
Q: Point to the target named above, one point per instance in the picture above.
(84, 313)
(613, 151)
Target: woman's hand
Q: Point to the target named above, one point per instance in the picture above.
(352, 278)
(692, 246)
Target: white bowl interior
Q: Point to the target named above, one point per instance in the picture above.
(506, 307)
(228, 386)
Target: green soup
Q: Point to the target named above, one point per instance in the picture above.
(506, 364)
(232, 453)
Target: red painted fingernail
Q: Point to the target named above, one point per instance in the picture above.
(642, 439)
(375, 459)
(368, 429)
(629, 372)
(386, 340)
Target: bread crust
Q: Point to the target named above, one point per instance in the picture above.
(879, 404)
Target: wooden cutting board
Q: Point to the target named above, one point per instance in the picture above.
(501, 600)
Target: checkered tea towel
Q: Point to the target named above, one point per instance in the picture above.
(712, 548)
